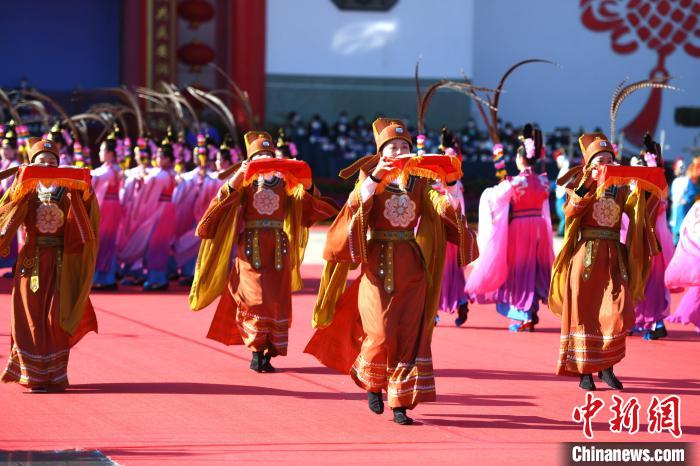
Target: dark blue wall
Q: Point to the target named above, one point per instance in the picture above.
(60, 44)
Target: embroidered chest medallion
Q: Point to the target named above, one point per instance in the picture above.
(49, 218)
(400, 210)
(266, 201)
(606, 212)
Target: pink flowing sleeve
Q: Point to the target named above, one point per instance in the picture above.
(684, 268)
(489, 271)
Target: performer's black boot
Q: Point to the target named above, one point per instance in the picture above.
(587, 382)
(607, 376)
(535, 321)
(659, 331)
(257, 362)
(462, 314)
(400, 417)
(266, 366)
(376, 404)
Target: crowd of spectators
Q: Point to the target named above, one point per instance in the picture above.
(330, 146)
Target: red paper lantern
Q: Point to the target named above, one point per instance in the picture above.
(196, 55)
(195, 12)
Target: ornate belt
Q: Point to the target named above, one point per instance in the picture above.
(392, 235)
(252, 241)
(33, 264)
(253, 224)
(386, 256)
(591, 237)
(599, 233)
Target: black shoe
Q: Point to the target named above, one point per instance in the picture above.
(376, 404)
(607, 376)
(186, 281)
(132, 281)
(152, 287)
(587, 382)
(257, 362)
(462, 314)
(266, 366)
(401, 418)
(660, 332)
(101, 287)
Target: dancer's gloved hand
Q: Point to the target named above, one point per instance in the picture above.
(590, 176)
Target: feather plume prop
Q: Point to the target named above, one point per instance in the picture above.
(240, 95)
(218, 107)
(127, 98)
(43, 97)
(491, 120)
(5, 100)
(423, 99)
(622, 92)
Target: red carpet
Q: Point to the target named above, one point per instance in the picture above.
(150, 389)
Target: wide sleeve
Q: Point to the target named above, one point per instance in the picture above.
(226, 199)
(301, 214)
(456, 229)
(218, 229)
(489, 271)
(346, 240)
(12, 215)
(641, 243)
(575, 204)
(79, 258)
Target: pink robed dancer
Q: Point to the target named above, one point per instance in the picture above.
(194, 192)
(152, 239)
(515, 240)
(8, 159)
(684, 270)
(105, 183)
(130, 197)
(453, 297)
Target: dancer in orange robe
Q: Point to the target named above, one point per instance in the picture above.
(269, 227)
(51, 310)
(596, 280)
(379, 330)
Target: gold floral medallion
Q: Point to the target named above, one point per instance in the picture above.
(606, 212)
(266, 201)
(400, 210)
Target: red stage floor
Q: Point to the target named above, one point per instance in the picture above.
(151, 389)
